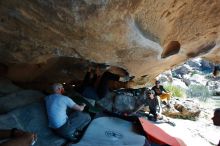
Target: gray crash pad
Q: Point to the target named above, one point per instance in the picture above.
(110, 131)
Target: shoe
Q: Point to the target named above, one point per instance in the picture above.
(164, 102)
(131, 78)
(75, 136)
(171, 123)
(154, 119)
(168, 106)
(77, 133)
(160, 118)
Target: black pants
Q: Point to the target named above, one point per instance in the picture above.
(153, 112)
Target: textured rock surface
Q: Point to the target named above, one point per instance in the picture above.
(19, 99)
(143, 37)
(7, 87)
(183, 109)
(31, 118)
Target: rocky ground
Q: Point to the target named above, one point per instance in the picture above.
(200, 132)
(195, 72)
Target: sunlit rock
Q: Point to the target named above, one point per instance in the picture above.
(143, 37)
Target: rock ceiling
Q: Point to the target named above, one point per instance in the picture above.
(43, 39)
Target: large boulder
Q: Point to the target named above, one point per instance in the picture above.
(19, 99)
(194, 63)
(7, 87)
(124, 101)
(202, 65)
(206, 66)
(214, 86)
(31, 118)
(181, 71)
(183, 109)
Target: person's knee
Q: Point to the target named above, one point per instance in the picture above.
(84, 117)
(165, 96)
(162, 96)
(87, 117)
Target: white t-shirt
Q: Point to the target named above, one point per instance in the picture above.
(56, 105)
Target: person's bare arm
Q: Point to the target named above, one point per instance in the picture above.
(5, 134)
(17, 137)
(79, 107)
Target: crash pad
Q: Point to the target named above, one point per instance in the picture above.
(158, 136)
(111, 131)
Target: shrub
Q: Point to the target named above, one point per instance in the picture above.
(195, 72)
(198, 91)
(175, 90)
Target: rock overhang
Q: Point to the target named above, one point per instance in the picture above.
(143, 37)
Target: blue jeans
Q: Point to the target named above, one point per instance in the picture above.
(76, 122)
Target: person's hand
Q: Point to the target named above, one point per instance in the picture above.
(159, 116)
(98, 71)
(17, 132)
(125, 114)
(83, 106)
(89, 69)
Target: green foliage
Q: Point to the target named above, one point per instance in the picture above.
(193, 73)
(198, 91)
(175, 90)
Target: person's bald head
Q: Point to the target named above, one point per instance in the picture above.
(58, 88)
(216, 118)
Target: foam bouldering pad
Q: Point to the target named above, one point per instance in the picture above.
(111, 131)
(158, 136)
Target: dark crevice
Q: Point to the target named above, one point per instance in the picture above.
(144, 76)
(172, 48)
(3, 69)
(203, 49)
